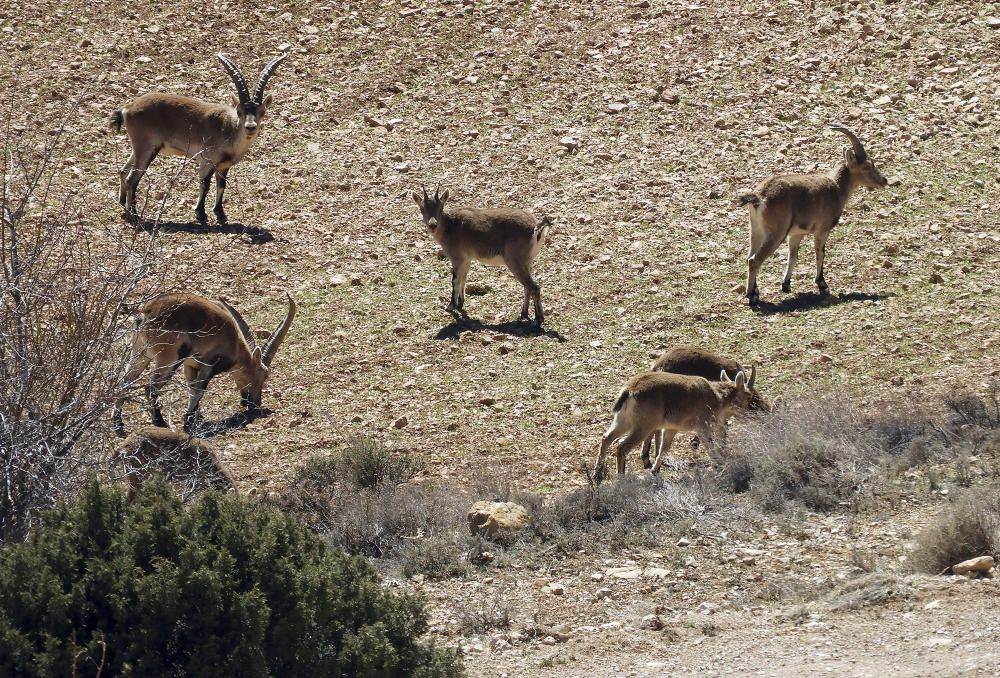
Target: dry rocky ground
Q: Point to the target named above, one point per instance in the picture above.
(669, 108)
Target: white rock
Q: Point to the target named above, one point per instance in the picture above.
(628, 572)
(974, 565)
(488, 517)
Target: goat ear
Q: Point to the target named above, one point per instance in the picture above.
(235, 100)
(444, 196)
(257, 355)
(268, 100)
(741, 381)
(417, 199)
(724, 377)
(849, 156)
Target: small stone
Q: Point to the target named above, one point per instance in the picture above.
(993, 21)
(883, 100)
(651, 622)
(569, 143)
(708, 608)
(596, 576)
(683, 542)
(401, 422)
(603, 593)
(628, 572)
(555, 588)
(505, 347)
(936, 278)
(548, 640)
(617, 107)
(356, 280)
(974, 565)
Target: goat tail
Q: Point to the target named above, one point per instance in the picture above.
(542, 230)
(116, 120)
(748, 199)
(622, 397)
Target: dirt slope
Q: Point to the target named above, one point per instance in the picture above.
(675, 106)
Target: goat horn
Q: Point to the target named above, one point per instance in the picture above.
(859, 149)
(274, 342)
(426, 197)
(753, 376)
(258, 93)
(241, 323)
(437, 192)
(236, 76)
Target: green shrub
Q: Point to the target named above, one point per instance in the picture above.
(225, 587)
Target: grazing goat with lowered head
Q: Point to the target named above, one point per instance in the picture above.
(177, 125)
(208, 338)
(795, 205)
(700, 362)
(176, 455)
(665, 404)
(496, 237)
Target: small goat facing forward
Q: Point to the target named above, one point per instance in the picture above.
(495, 237)
(700, 362)
(664, 404)
(178, 125)
(208, 338)
(795, 205)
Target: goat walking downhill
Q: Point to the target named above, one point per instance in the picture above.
(664, 404)
(208, 338)
(795, 205)
(216, 136)
(495, 237)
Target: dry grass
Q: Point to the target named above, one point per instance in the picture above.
(968, 528)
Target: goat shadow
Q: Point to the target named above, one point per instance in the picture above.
(255, 234)
(514, 328)
(804, 301)
(234, 422)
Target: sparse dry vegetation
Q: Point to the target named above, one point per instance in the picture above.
(967, 528)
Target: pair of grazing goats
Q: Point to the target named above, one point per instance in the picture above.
(687, 389)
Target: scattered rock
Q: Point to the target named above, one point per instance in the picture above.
(683, 541)
(402, 422)
(627, 572)
(993, 21)
(555, 588)
(980, 565)
(936, 278)
(488, 517)
(603, 593)
(651, 622)
(569, 143)
(617, 107)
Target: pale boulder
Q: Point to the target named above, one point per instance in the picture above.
(489, 517)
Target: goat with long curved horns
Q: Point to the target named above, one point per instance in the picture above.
(795, 205)
(208, 338)
(217, 136)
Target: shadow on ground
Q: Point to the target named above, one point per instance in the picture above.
(514, 328)
(805, 301)
(234, 422)
(256, 236)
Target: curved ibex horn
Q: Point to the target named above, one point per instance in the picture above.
(424, 189)
(236, 76)
(258, 93)
(274, 342)
(753, 376)
(859, 149)
(242, 324)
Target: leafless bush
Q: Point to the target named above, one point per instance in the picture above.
(967, 529)
(377, 519)
(65, 281)
(819, 454)
(492, 612)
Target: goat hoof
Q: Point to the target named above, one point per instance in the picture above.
(201, 216)
(786, 287)
(221, 218)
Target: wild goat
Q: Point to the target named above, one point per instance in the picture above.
(208, 338)
(664, 404)
(177, 455)
(699, 362)
(794, 205)
(177, 125)
(496, 237)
